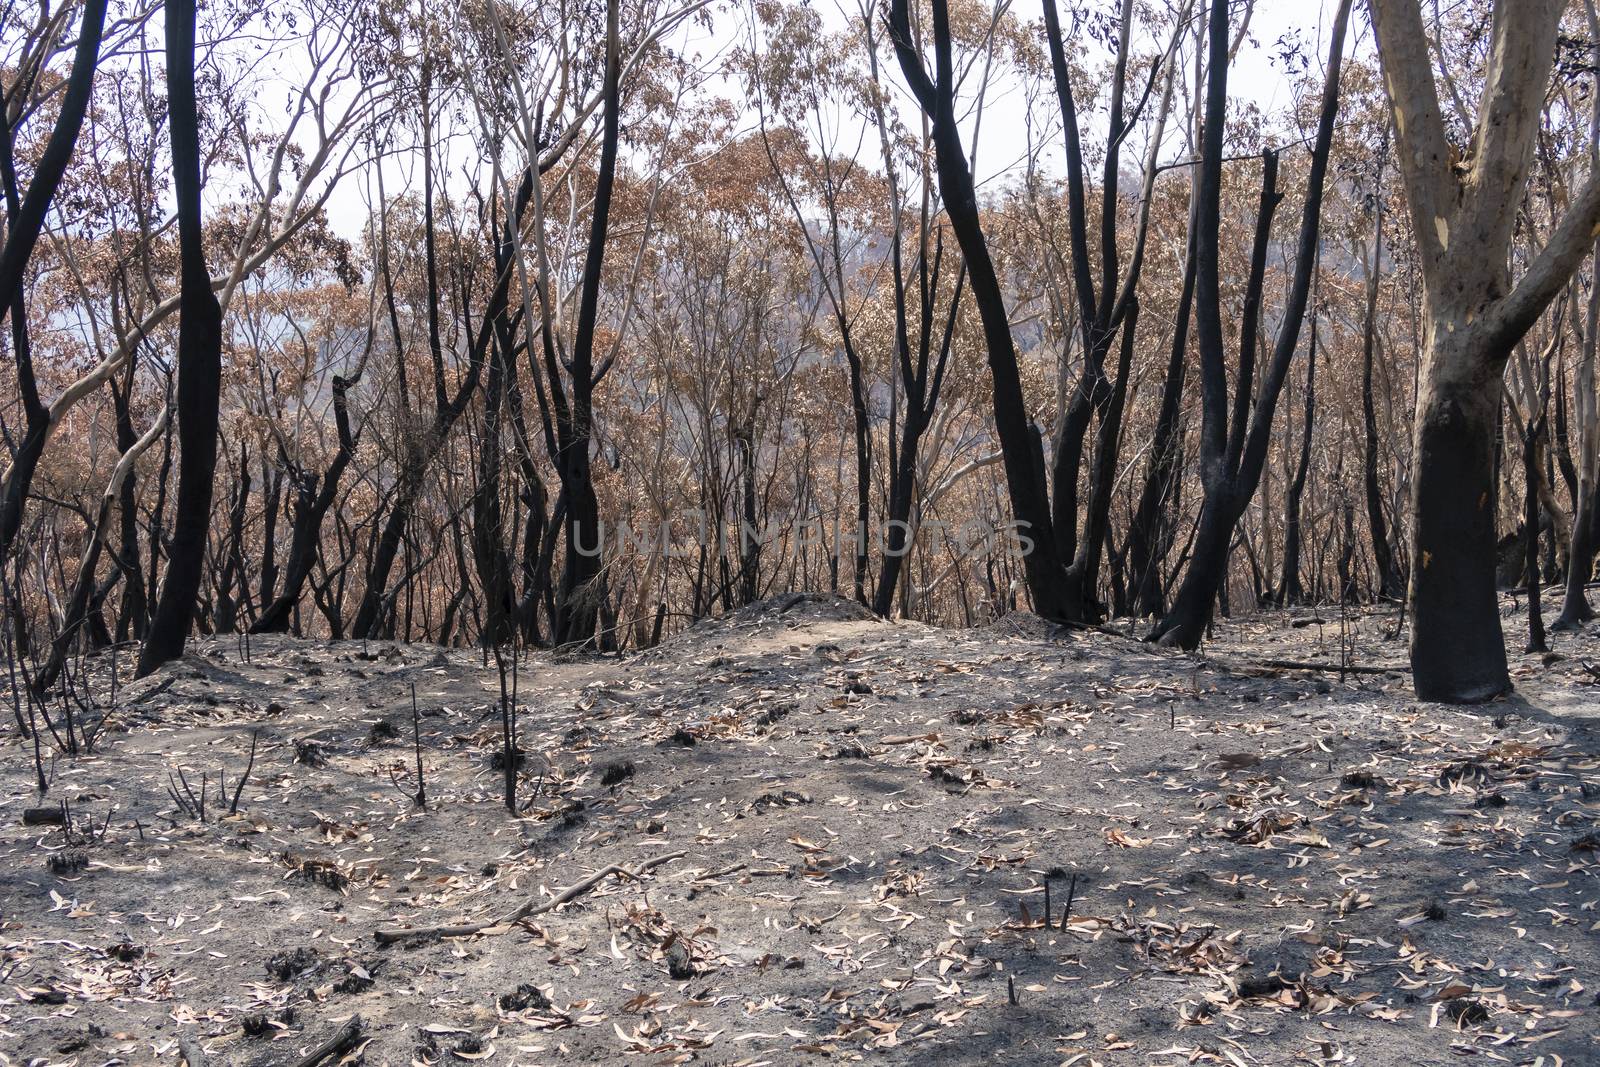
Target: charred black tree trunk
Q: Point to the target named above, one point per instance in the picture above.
(310, 505)
(1187, 620)
(1562, 446)
(1042, 563)
(921, 398)
(25, 220)
(1455, 657)
(1575, 609)
(1531, 430)
(1347, 545)
(858, 410)
(135, 600)
(1085, 569)
(1464, 222)
(376, 601)
(1290, 591)
(578, 604)
(199, 360)
(84, 604)
(272, 503)
(225, 612)
(1391, 586)
(1234, 448)
(1580, 567)
(744, 449)
(417, 454)
(1103, 311)
(489, 548)
(1151, 532)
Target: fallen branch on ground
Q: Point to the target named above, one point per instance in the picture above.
(527, 909)
(1303, 665)
(337, 1045)
(1350, 668)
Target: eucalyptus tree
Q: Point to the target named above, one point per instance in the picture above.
(199, 358)
(1474, 313)
(1060, 569)
(1235, 431)
(26, 212)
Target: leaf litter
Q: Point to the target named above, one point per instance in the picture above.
(800, 833)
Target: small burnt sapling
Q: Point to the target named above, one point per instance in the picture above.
(524, 997)
(420, 797)
(250, 764)
(291, 963)
(310, 753)
(616, 772)
(510, 753)
(193, 805)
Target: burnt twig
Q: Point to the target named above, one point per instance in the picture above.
(341, 1042)
(527, 909)
(183, 795)
(233, 805)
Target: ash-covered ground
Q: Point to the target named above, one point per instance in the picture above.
(861, 820)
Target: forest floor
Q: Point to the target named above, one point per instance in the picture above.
(1266, 865)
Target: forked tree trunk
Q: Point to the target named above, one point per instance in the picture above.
(581, 585)
(25, 220)
(1084, 574)
(311, 504)
(1463, 221)
(79, 604)
(1062, 572)
(1150, 534)
(1030, 505)
(1234, 445)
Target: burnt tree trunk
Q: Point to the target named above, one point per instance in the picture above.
(1457, 652)
(922, 390)
(25, 220)
(1463, 223)
(199, 360)
(1290, 591)
(1150, 534)
(490, 553)
(578, 603)
(1085, 568)
(1234, 448)
(1042, 563)
(272, 504)
(1575, 608)
(135, 614)
(1531, 430)
(225, 612)
(1390, 584)
(84, 596)
(311, 504)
